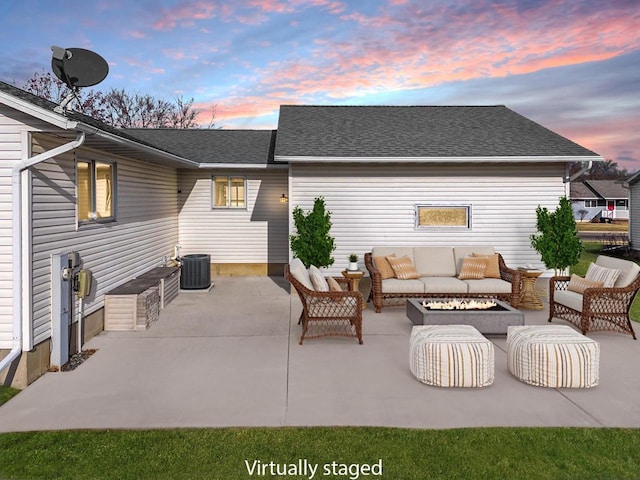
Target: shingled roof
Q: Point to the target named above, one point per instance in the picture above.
(608, 189)
(416, 132)
(212, 146)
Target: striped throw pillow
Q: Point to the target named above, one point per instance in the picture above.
(384, 267)
(579, 285)
(607, 276)
(403, 267)
(493, 265)
(473, 268)
(317, 279)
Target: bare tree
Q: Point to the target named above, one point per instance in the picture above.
(119, 108)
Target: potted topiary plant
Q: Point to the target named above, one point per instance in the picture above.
(312, 243)
(353, 262)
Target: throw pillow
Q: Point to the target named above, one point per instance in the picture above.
(607, 276)
(300, 273)
(473, 268)
(403, 267)
(319, 282)
(579, 284)
(334, 286)
(384, 267)
(493, 264)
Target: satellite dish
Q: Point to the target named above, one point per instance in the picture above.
(77, 67)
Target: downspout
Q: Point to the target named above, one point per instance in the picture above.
(17, 239)
(585, 167)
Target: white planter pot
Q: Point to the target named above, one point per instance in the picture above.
(353, 266)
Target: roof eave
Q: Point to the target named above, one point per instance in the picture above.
(240, 166)
(43, 114)
(64, 123)
(492, 159)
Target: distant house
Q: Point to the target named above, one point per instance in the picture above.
(595, 199)
(126, 200)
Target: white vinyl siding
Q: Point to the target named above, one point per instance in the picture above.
(374, 205)
(634, 215)
(13, 128)
(257, 234)
(145, 230)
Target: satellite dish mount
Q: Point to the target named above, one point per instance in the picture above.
(76, 68)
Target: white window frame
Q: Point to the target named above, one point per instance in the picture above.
(435, 206)
(93, 217)
(228, 206)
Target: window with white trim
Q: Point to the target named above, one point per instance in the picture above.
(229, 192)
(443, 216)
(95, 187)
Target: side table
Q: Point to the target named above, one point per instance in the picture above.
(529, 298)
(354, 277)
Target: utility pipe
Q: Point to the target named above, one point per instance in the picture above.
(17, 239)
(584, 169)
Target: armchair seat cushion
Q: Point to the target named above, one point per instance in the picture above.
(443, 285)
(326, 307)
(395, 285)
(569, 299)
(488, 285)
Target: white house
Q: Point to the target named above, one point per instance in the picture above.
(377, 167)
(599, 199)
(126, 200)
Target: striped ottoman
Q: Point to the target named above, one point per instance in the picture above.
(451, 356)
(554, 356)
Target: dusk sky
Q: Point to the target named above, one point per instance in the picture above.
(573, 66)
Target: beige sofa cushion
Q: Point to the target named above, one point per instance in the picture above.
(395, 285)
(568, 299)
(434, 261)
(443, 285)
(488, 285)
(459, 254)
(398, 251)
(629, 270)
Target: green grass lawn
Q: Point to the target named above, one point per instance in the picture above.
(486, 453)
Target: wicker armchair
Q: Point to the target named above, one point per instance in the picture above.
(601, 309)
(326, 314)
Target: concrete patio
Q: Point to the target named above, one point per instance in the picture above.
(231, 357)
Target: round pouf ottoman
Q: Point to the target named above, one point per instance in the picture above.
(451, 356)
(554, 356)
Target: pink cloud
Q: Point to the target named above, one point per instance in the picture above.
(184, 14)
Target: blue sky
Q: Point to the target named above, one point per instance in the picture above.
(573, 66)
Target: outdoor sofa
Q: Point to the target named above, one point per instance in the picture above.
(440, 272)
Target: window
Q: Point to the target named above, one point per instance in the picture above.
(95, 190)
(590, 203)
(456, 216)
(622, 204)
(229, 192)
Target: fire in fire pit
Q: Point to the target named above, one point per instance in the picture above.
(459, 305)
